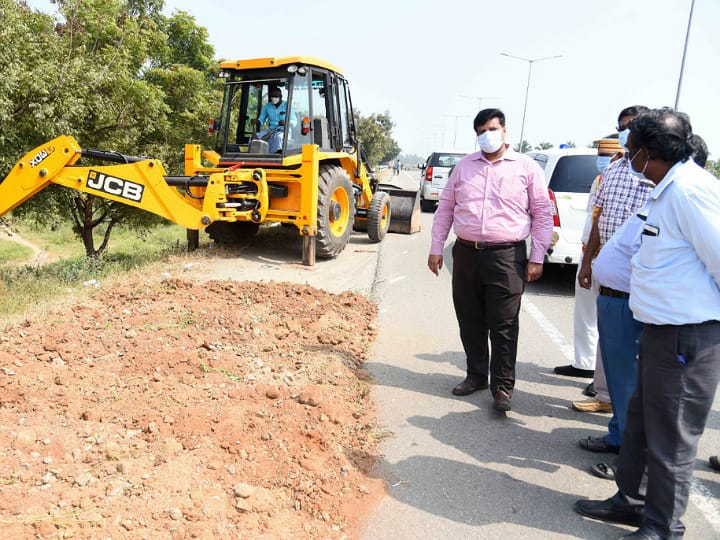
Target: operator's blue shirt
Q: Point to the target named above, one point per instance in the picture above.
(676, 272)
(273, 114)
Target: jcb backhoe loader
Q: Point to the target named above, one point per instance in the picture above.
(307, 170)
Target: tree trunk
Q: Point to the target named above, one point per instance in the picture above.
(86, 225)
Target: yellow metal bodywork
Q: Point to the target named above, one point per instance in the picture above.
(299, 174)
(262, 63)
(142, 184)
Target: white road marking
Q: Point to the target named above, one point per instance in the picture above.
(700, 496)
(550, 329)
(396, 279)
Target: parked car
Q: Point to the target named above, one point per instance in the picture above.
(435, 172)
(570, 173)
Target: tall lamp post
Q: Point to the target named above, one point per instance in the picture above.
(455, 116)
(682, 63)
(530, 62)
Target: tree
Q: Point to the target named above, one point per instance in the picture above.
(714, 167)
(570, 144)
(114, 74)
(523, 147)
(375, 133)
(544, 146)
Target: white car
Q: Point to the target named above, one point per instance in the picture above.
(570, 173)
(435, 172)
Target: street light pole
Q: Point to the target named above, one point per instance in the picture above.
(530, 62)
(455, 116)
(682, 63)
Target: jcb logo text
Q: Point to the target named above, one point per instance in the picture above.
(115, 186)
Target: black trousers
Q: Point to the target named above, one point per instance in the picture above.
(679, 369)
(487, 287)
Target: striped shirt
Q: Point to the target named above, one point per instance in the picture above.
(620, 195)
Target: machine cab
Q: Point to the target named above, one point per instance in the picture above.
(314, 108)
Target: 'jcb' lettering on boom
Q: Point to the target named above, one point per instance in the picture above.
(115, 186)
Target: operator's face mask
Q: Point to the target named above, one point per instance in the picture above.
(274, 100)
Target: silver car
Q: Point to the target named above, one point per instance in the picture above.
(435, 172)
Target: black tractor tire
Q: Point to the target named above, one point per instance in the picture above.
(379, 216)
(231, 233)
(335, 212)
(427, 206)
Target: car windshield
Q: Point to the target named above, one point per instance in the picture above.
(446, 160)
(573, 174)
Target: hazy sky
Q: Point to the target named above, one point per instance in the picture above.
(418, 59)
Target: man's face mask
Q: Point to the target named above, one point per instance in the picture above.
(603, 162)
(274, 100)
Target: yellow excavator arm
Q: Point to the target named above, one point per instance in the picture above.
(138, 182)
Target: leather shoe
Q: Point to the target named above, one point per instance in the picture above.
(502, 400)
(603, 470)
(714, 463)
(468, 386)
(643, 533)
(592, 405)
(572, 371)
(607, 510)
(589, 390)
(598, 445)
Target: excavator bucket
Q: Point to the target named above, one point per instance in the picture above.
(404, 208)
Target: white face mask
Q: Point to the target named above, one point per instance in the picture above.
(275, 100)
(623, 138)
(639, 174)
(491, 141)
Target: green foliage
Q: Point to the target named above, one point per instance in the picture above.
(544, 146)
(713, 167)
(523, 147)
(25, 286)
(116, 75)
(570, 144)
(12, 251)
(375, 133)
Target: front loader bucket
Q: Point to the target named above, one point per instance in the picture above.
(404, 209)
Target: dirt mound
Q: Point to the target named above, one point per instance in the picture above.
(221, 410)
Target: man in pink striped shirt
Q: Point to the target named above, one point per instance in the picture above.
(494, 199)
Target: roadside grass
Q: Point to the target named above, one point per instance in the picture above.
(24, 287)
(12, 252)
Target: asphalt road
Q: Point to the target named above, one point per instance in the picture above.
(457, 469)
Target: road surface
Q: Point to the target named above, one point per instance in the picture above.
(457, 469)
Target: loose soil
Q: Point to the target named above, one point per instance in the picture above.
(173, 409)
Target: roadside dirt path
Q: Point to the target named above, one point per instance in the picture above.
(39, 257)
(169, 408)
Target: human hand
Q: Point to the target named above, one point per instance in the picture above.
(435, 263)
(585, 276)
(255, 122)
(534, 271)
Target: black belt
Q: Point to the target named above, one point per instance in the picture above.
(607, 291)
(487, 245)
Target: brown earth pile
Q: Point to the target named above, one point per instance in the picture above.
(175, 410)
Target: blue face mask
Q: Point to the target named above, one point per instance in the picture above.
(603, 162)
(623, 138)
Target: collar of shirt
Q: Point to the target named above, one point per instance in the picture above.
(666, 181)
(509, 154)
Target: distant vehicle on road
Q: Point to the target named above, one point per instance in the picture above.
(570, 173)
(435, 172)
